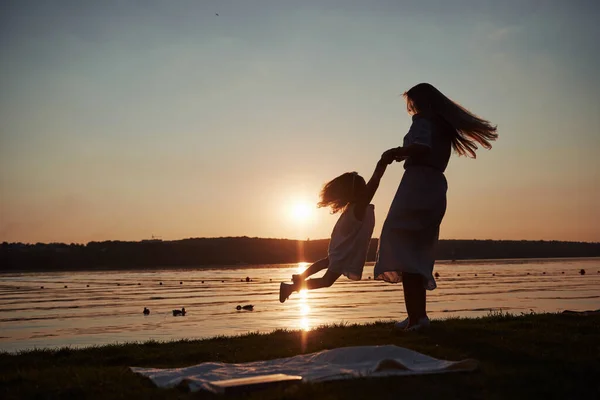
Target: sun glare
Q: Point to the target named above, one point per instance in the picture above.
(301, 211)
(304, 324)
(302, 266)
(304, 309)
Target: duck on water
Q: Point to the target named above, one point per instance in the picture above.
(179, 312)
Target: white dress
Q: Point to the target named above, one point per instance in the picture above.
(350, 241)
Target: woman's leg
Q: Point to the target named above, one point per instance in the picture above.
(426, 249)
(409, 295)
(414, 297)
(421, 297)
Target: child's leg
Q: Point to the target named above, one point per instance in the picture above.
(311, 270)
(325, 281)
(286, 289)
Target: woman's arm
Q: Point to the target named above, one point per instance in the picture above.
(413, 150)
(372, 185)
(417, 141)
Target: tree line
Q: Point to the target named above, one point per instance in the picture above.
(204, 252)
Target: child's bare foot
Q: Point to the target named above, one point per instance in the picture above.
(285, 290)
(297, 279)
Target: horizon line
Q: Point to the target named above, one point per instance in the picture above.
(157, 240)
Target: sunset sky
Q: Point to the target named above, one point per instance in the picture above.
(126, 119)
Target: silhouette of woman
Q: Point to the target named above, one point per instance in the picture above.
(411, 229)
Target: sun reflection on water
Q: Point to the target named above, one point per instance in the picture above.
(304, 324)
(302, 266)
(304, 308)
(304, 320)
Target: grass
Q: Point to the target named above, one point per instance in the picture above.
(527, 356)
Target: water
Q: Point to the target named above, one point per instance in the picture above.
(110, 309)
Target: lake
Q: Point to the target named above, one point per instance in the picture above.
(99, 307)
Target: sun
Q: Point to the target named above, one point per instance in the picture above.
(301, 211)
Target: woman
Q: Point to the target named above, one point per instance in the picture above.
(410, 232)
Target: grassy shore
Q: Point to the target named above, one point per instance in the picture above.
(529, 356)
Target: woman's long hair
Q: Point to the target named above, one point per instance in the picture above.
(470, 129)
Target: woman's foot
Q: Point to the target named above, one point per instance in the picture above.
(422, 323)
(297, 279)
(402, 324)
(285, 290)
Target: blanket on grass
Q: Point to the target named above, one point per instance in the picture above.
(340, 363)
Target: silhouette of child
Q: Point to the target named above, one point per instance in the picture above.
(351, 236)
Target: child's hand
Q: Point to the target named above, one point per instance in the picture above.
(396, 154)
(388, 157)
(387, 160)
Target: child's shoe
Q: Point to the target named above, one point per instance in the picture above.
(285, 290)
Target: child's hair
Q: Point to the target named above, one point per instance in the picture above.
(341, 191)
(470, 129)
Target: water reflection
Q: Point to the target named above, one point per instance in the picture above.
(302, 266)
(304, 309)
(304, 321)
(304, 324)
(100, 307)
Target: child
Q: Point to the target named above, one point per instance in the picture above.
(351, 235)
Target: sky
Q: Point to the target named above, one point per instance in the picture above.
(123, 120)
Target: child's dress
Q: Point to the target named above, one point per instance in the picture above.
(350, 241)
(411, 229)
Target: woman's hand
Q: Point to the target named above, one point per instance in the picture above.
(389, 155)
(386, 159)
(395, 154)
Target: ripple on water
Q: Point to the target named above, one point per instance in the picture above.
(111, 308)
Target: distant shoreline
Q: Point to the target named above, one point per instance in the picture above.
(523, 260)
(243, 252)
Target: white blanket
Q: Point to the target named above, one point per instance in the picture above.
(340, 363)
